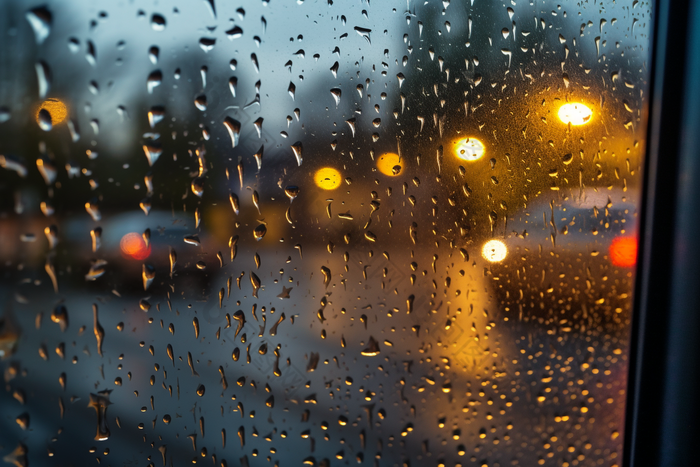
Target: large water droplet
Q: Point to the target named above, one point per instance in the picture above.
(260, 232)
(292, 192)
(297, 149)
(60, 317)
(100, 402)
(259, 157)
(364, 32)
(198, 186)
(44, 120)
(43, 76)
(207, 43)
(154, 79)
(40, 20)
(153, 54)
(372, 349)
(255, 282)
(148, 274)
(155, 115)
(234, 130)
(234, 33)
(97, 269)
(335, 92)
(201, 102)
(152, 152)
(233, 198)
(157, 22)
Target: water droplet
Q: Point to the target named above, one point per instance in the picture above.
(258, 126)
(195, 324)
(13, 163)
(207, 44)
(97, 329)
(198, 186)
(234, 33)
(260, 232)
(18, 457)
(155, 79)
(172, 256)
(60, 316)
(43, 76)
(145, 205)
(153, 54)
(234, 130)
(297, 149)
(372, 349)
(201, 102)
(40, 20)
(44, 120)
(23, 422)
(364, 32)
(155, 115)
(255, 282)
(326, 276)
(259, 157)
(47, 169)
(100, 402)
(152, 152)
(148, 274)
(335, 92)
(351, 124)
(97, 269)
(232, 85)
(401, 79)
(234, 203)
(157, 22)
(93, 208)
(51, 233)
(192, 240)
(292, 192)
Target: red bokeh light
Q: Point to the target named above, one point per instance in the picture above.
(623, 251)
(134, 246)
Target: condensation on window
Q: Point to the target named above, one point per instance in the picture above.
(318, 232)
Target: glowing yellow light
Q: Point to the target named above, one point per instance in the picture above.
(390, 164)
(469, 149)
(575, 113)
(494, 251)
(55, 108)
(327, 178)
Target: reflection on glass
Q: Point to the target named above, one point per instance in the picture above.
(469, 149)
(575, 113)
(389, 164)
(327, 178)
(55, 108)
(134, 246)
(623, 251)
(494, 251)
(359, 235)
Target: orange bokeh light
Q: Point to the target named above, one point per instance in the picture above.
(134, 246)
(623, 251)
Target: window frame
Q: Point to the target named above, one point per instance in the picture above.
(664, 379)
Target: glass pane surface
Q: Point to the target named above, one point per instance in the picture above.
(318, 233)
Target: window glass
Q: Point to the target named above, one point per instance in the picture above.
(318, 232)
